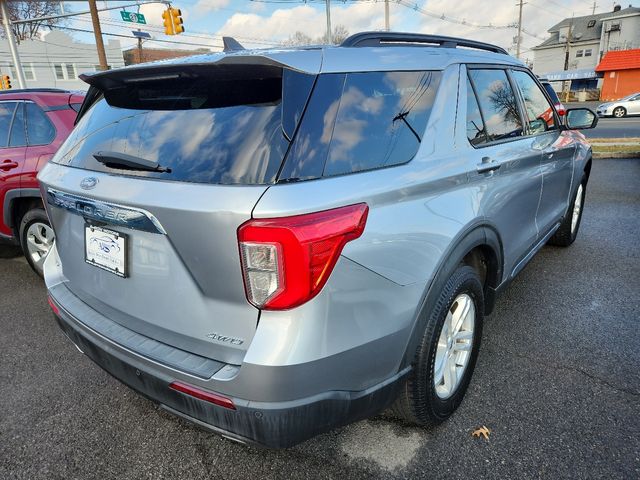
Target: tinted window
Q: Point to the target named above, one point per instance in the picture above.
(539, 111)
(475, 124)
(225, 131)
(361, 121)
(381, 119)
(498, 104)
(40, 130)
(297, 87)
(6, 116)
(552, 93)
(17, 138)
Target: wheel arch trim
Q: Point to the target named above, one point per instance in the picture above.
(481, 234)
(10, 198)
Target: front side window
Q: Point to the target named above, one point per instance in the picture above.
(475, 124)
(6, 117)
(40, 130)
(17, 137)
(540, 117)
(497, 103)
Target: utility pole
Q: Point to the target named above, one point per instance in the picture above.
(102, 57)
(6, 21)
(328, 5)
(140, 60)
(593, 12)
(519, 39)
(386, 15)
(567, 51)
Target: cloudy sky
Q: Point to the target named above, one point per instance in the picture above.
(264, 23)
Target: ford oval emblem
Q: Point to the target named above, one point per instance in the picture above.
(88, 183)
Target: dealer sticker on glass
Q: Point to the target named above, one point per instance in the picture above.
(106, 249)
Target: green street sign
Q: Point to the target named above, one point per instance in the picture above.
(132, 17)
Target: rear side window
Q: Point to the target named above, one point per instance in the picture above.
(497, 103)
(475, 123)
(362, 121)
(539, 112)
(40, 130)
(226, 128)
(6, 117)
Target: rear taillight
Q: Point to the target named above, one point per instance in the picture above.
(286, 261)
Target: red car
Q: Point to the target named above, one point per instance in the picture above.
(33, 125)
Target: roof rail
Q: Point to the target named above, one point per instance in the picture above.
(35, 90)
(377, 39)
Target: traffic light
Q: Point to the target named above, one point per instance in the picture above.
(5, 82)
(172, 21)
(167, 21)
(176, 15)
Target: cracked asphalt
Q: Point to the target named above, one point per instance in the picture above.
(557, 383)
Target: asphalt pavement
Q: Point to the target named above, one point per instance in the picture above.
(557, 383)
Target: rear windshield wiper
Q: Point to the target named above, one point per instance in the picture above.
(129, 162)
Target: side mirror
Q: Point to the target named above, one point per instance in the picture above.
(580, 119)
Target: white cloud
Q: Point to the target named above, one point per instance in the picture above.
(284, 22)
(204, 6)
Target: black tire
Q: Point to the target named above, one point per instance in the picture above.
(565, 236)
(35, 215)
(418, 401)
(619, 112)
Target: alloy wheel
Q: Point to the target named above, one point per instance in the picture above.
(40, 239)
(454, 346)
(577, 208)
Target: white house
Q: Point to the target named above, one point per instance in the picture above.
(56, 60)
(586, 39)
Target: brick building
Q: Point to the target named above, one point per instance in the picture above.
(132, 55)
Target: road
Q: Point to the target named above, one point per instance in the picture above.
(557, 383)
(615, 128)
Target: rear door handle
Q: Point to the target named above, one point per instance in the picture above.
(487, 165)
(7, 165)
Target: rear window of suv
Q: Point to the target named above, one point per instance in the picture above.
(220, 129)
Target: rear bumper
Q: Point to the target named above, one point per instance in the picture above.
(271, 424)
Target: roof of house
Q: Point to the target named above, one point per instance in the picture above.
(620, 60)
(580, 30)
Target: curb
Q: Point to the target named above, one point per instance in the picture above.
(605, 155)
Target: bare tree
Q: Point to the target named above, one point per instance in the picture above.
(298, 38)
(504, 102)
(340, 32)
(31, 9)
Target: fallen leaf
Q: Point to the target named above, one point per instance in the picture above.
(482, 431)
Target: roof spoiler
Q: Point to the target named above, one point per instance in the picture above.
(231, 44)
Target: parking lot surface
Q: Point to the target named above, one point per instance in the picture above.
(557, 383)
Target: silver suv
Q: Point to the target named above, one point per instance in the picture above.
(274, 243)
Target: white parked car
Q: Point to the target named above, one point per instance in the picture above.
(629, 105)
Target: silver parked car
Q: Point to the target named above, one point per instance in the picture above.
(273, 243)
(629, 105)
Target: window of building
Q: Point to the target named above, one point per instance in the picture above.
(497, 103)
(65, 71)
(591, 23)
(579, 53)
(29, 71)
(588, 52)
